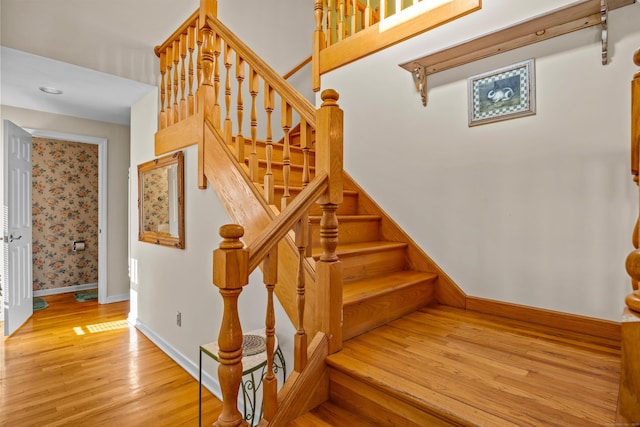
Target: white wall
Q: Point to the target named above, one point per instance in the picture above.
(117, 167)
(537, 210)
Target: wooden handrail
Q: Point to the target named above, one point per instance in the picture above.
(279, 84)
(176, 34)
(284, 222)
(297, 67)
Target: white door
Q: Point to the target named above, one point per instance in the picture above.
(16, 224)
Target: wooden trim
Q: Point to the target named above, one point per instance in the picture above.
(308, 389)
(181, 135)
(182, 29)
(299, 103)
(375, 38)
(576, 16)
(599, 328)
(447, 291)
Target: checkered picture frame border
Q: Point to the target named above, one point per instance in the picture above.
(525, 70)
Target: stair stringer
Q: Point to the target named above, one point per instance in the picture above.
(447, 291)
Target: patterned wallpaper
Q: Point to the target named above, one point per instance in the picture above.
(65, 208)
(156, 200)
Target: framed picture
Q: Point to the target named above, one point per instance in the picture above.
(502, 94)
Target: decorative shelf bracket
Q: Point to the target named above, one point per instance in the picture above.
(604, 16)
(419, 75)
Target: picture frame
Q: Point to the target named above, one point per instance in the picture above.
(505, 93)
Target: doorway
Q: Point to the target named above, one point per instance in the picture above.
(80, 244)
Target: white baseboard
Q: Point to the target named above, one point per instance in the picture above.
(64, 290)
(208, 381)
(117, 298)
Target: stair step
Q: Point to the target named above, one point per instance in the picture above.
(367, 259)
(330, 415)
(349, 205)
(351, 228)
(372, 302)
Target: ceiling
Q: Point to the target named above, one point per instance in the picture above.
(99, 53)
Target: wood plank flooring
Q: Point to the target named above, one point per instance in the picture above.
(485, 370)
(82, 364)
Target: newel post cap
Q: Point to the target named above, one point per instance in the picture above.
(231, 259)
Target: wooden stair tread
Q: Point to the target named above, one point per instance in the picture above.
(359, 248)
(360, 290)
(474, 369)
(331, 415)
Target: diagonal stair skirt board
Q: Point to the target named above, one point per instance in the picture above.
(84, 296)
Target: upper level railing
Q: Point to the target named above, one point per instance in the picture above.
(347, 30)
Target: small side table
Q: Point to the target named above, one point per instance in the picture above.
(254, 364)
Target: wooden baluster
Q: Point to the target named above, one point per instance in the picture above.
(183, 76)
(269, 192)
(329, 141)
(190, 99)
(300, 339)
(270, 390)
(170, 111)
(240, 106)
(176, 72)
(216, 81)
(305, 145)
(353, 18)
(368, 15)
(205, 94)
(163, 71)
(253, 157)
(342, 26)
(318, 43)
(230, 274)
(199, 36)
(329, 23)
(228, 131)
(286, 152)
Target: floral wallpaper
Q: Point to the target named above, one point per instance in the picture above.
(65, 208)
(156, 200)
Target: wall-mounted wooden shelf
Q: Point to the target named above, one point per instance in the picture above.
(573, 17)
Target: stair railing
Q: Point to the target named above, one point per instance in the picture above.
(180, 72)
(225, 60)
(233, 262)
(630, 358)
(347, 30)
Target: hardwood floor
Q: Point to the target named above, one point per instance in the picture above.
(476, 369)
(81, 364)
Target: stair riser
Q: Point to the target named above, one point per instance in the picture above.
(384, 409)
(350, 232)
(371, 264)
(363, 316)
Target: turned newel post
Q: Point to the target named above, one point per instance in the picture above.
(329, 159)
(633, 260)
(230, 274)
(629, 395)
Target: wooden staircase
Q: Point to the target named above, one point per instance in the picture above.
(409, 361)
(383, 336)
